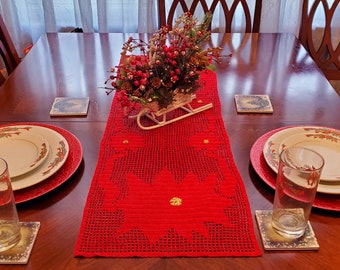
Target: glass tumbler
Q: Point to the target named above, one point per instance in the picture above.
(297, 181)
(10, 233)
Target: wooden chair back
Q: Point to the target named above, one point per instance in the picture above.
(252, 18)
(325, 53)
(7, 50)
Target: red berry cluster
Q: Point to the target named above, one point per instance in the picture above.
(171, 60)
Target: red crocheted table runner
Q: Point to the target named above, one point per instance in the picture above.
(171, 191)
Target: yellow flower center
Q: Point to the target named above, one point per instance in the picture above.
(176, 201)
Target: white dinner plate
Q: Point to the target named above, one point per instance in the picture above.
(271, 150)
(58, 152)
(23, 150)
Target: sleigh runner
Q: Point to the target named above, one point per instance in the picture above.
(159, 117)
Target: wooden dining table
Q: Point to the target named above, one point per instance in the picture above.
(77, 65)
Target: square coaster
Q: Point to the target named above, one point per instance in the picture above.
(66, 106)
(273, 241)
(20, 253)
(253, 104)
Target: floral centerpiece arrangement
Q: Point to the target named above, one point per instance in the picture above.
(168, 65)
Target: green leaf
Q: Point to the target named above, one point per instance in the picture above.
(211, 67)
(119, 83)
(123, 72)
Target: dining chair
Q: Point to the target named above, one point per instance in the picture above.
(325, 51)
(252, 17)
(8, 52)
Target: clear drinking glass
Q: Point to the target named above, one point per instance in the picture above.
(9, 223)
(297, 181)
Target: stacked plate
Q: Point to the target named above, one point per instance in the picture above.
(325, 141)
(33, 153)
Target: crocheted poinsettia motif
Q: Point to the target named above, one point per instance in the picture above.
(151, 210)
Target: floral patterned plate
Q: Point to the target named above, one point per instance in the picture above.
(57, 156)
(326, 145)
(271, 149)
(55, 181)
(23, 151)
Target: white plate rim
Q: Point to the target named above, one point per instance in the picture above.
(59, 150)
(40, 143)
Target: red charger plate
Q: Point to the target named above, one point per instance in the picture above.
(322, 200)
(64, 173)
